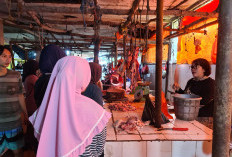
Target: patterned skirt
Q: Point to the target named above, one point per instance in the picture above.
(96, 148)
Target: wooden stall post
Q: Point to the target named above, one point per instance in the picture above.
(125, 62)
(158, 72)
(13, 63)
(1, 33)
(96, 49)
(97, 41)
(223, 91)
(116, 52)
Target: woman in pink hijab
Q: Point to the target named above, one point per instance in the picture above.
(67, 122)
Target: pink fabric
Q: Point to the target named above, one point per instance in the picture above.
(66, 121)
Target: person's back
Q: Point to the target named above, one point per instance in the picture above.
(77, 120)
(94, 93)
(40, 89)
(29, 78)
(48, 58)
(29, 88)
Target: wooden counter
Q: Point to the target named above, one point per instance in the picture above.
(149, 142)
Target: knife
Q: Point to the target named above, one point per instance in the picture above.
(174, 129)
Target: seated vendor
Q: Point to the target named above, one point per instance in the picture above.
(202, 85)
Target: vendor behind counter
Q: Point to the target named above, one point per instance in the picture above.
(201, 84)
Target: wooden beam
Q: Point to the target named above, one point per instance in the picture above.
(185, 30)
(33, 15)
(131, 13)
(27, 29)
(54, 37)
(79, 22)
(33, 28)
(181, 3)
(186, 27)
(193, 30)
(72, 9)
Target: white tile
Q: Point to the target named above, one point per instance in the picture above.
(111, 138)
(121, 132)
(113, 149)
(176, 137)
(181, 123)
(183, 149)
(134, 149)
(193, 130)
(167, 125)
(159, 149)
(110, 131)
(147, 130)
(204, 149)
(117, 115)
(106, 107)
(110, 135)
(128, 138)
(134, 113)
(172, 132)
(153, 137)
(203, 127)
(204, 137)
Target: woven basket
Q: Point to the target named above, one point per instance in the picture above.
(186, 106)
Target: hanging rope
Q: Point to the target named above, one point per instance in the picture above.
(134, 30)
(8, 5)
(141, 21)
(83, 10)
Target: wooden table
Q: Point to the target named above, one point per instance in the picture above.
(149, 142)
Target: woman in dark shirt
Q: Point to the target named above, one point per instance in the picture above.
(93, 91)
(29, 80)
(201, 84)
(48, 58)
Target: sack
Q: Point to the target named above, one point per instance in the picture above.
(149, 112)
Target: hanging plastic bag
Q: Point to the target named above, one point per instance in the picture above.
(149, 112)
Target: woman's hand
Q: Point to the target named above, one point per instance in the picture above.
(175, 86)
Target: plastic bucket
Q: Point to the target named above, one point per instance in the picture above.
(186, 106)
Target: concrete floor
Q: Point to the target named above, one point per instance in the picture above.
(28, 153)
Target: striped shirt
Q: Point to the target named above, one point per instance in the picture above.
(10, 110)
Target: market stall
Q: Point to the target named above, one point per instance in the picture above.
(148, 141)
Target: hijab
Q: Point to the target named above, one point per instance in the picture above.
(29, 68)
(49, 56)
(67, 121)
(96, 72)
